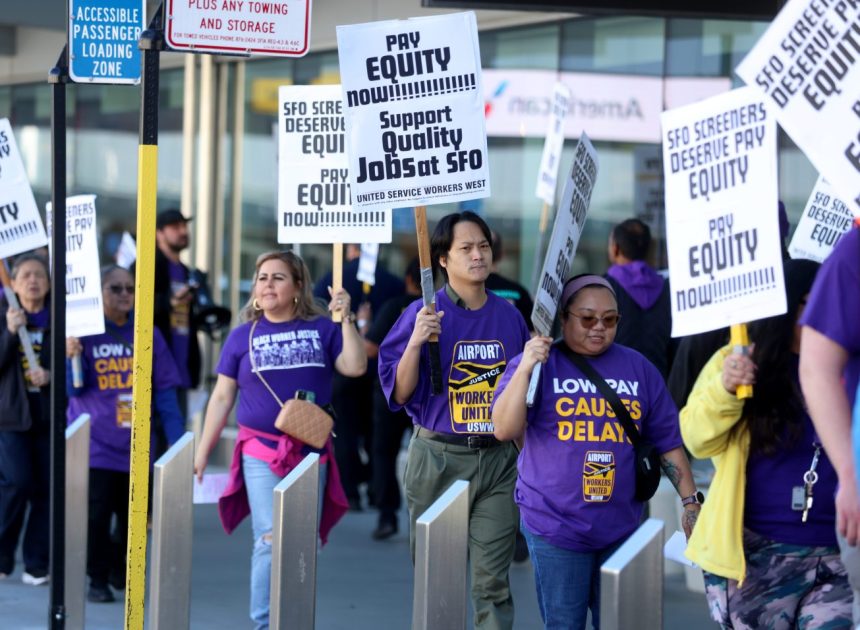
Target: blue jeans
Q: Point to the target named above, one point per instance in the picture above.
(567, 582)
(260, 483)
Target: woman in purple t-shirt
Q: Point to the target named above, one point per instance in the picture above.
(768, 549)
(284, 346)
(576, 479)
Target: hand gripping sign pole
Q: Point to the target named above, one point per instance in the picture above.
(337, 277)
(740, 341)
(58, 77)
(151, 42)
(428, 294)
(12, 299)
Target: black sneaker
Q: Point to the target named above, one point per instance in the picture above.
(100, 594)
(117, 581)
(385, 529)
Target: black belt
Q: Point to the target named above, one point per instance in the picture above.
(470, 441)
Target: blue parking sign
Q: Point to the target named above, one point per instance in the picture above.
(103, 40)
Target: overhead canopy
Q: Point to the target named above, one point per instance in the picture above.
(722, 9)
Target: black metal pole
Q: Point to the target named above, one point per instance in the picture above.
(58, 77)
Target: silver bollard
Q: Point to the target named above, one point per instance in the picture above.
(631, 581)
(77, 518)
(172, 525)
(292, 598)
(441, 550)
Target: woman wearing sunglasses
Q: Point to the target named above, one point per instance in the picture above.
(106, 360)
(576, 481)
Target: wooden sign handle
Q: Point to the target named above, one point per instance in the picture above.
(740, 342)
(428, 294)
(336, 276)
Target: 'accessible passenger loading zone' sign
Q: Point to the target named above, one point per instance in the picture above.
(414, 111)
(722, 222)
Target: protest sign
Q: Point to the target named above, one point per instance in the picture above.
(551, 158)
(414, 111)
(314, 192)
(126, 253)
(808, 65)
(258, 27)
(725, 257)
(566, 231)
(367, 263)
(823, 222)
(21, 226)
(84, 308)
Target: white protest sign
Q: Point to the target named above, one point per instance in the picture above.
(84, 309)
(551, 158)
(823, 222)
(808, 65)
(126, 253)
(21, 226)
(725, 259)
(367, 263)
(414, 111)
(313, 185)
(566, 231)
(280, 28)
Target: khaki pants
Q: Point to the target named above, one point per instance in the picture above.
(431, 468)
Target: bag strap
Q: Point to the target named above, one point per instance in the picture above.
(253, 365)
(120, 339)
(605, 390)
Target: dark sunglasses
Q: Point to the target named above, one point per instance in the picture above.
(117, 289)
(590, 321)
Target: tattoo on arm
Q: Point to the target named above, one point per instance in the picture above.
(688, 520)
(672, 472)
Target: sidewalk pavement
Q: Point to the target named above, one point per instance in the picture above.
(361, 584)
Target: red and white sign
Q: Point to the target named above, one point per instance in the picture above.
(280, 28)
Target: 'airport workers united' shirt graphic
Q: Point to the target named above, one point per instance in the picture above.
(475, 370)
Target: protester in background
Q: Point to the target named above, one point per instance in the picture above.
(765, 557)
(295, 349)
(643, 295)
(576, 478)
(388, 426)
(453, 437)
(352, 397)
(830, 375)
(25, 417)
(505, 288)
(106, 395)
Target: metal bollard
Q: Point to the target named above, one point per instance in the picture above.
(77, 517)
(441, 551)
(631, 581)
(172, 525)
(292, 598)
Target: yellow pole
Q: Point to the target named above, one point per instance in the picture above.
(147, 187)
(740, 342)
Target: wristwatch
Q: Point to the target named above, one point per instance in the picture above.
(694, 499)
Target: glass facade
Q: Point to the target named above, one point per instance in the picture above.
(654, 53)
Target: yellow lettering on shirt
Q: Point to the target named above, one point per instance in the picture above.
(564, 406)
(565, 430)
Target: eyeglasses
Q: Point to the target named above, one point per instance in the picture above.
(117, 289)
(590, 321)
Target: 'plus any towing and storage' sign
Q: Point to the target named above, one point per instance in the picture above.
(280, 28)
(103, 37)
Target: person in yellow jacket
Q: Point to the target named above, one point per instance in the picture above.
(769, 552)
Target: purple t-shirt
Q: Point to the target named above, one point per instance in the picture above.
(180, 317)
(576, 477)
(475, 348)
(108, 377)
(833, 307)
(294, 355)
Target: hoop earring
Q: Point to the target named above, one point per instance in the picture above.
(256, 305)
(296, 300)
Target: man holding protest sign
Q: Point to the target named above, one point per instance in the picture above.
(453, 436)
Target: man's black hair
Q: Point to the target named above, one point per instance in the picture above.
(413, 271)
(633, 238)
(443, 235)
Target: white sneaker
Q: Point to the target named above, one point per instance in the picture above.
(32, 580)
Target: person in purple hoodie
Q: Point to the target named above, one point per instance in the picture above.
(453, 439)
(643, 295)
(105, 395)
